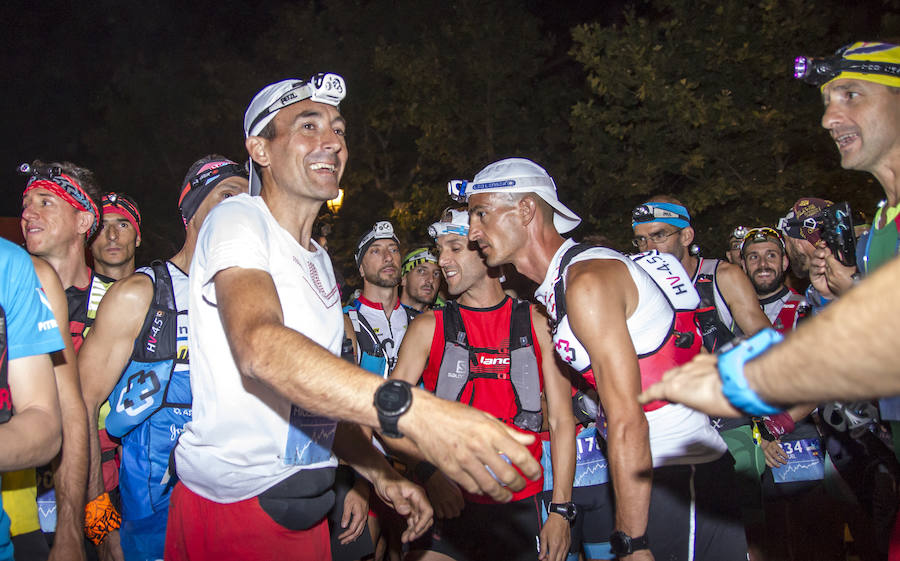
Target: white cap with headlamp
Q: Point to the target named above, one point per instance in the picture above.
(321, 88)
(382, 230)
(517, 175)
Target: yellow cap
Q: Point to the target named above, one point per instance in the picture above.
(870, 52)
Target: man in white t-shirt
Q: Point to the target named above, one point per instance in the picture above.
(255, 463)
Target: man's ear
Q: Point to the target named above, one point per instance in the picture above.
(687, 236)
(257, 148)
(528, 208)
(785, 262)
(83, 222)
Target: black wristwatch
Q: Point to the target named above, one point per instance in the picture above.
(392, 399)
(621, 543)
(567, 510)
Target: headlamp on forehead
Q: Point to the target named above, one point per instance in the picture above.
(819, 71)
(321, 88)
(757, 235)
(649, 213)
(122, 200)
(457, 190)
(48, 172)
(443, 228)
(739, 233)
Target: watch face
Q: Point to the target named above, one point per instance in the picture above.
(393, 398)
(620, 543)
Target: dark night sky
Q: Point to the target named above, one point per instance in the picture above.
(62, 61)
(123, 89)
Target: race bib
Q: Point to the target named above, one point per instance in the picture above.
(591, 465)
(309, 438)
(806, 461)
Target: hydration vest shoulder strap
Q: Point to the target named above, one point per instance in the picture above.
(5, 396)
(163, 291)
(96, 292)
(524, 372)
(362, 325)
(454, 371)
(559, 289)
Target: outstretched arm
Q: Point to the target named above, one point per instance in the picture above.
(846, 352)
(70, 473)
(459, 440)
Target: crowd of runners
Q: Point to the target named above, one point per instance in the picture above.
(228, 401)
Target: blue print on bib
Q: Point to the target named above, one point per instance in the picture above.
(309, 438)
(591, 465)
(806, 461)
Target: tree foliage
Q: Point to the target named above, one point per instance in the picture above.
(695, 99)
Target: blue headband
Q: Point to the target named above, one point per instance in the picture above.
(670, 213)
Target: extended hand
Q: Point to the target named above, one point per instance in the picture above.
(838, 276)
(774, 453)
(555, 538)
(356, 511)
(409, 500)
(463, 442)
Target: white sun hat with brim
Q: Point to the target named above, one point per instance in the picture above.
(517, 175)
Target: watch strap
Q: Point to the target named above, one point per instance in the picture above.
(731, 371)
(389, 426)
(567, 510)
(623, 544)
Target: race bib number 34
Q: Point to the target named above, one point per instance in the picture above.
(806, 461)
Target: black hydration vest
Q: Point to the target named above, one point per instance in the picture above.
(715, 332)
(459, 358)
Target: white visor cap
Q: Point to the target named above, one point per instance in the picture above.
(518, 175)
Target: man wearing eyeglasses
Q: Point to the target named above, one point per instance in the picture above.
(119, 236)
(728, 304)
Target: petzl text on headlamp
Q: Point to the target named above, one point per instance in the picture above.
(649, 213)
(874, 62)
(322, 88)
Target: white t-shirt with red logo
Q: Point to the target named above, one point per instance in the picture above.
(244, 436)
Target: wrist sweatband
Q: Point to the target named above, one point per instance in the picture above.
(100, 518)
(731, 370)
(780, 424)
(424, 471)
